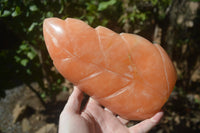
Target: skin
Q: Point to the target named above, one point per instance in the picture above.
(95, 119)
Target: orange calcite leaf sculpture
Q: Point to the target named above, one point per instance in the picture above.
(124, 72)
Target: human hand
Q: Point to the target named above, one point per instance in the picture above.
(95, 119)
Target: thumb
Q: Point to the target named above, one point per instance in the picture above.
(147, 125)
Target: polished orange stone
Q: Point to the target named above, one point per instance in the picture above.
(124, 72)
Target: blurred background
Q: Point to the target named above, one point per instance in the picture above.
(33, 93)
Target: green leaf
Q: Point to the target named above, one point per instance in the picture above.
(154, 2)
(61, 9)
(59, 81)
(24, 62)
(6, 13)
(104, 22)
(90, 7)
(104, 5)
(31, 55)
(23, 46)
(27, 14)
(28, 71)
(33, 8)
(32, 26)
(49, 14)
(17, 58)
(16, 12)
(44, 2)
(90, 19)
(141, 16)
(43, 95)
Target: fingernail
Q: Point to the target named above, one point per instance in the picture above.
(157, 117)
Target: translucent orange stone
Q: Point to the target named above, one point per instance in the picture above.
(124, 72)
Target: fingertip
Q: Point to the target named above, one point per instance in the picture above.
(76, 88)
(77, 94)
(157, 117)
(74, 101)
